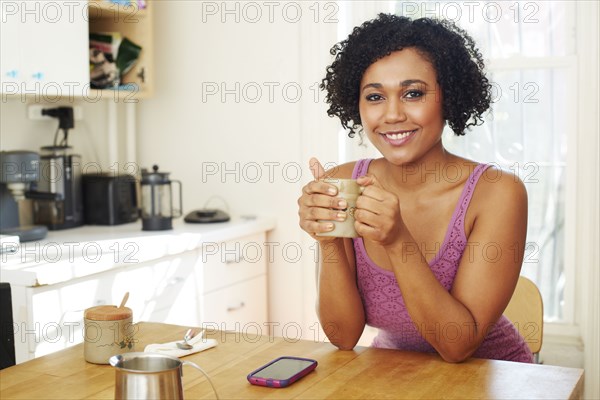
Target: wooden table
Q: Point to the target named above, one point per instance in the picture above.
(360, 374)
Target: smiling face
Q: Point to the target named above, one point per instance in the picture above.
(401, 107)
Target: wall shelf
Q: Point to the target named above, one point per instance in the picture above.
(136, 25)
(36, 68)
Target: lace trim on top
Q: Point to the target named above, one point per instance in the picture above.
(379, 288)
(384, 304)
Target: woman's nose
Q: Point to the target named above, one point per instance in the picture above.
(394, 111)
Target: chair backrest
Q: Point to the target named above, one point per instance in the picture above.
(526, 311)
(7, 339)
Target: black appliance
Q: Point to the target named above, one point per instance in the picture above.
(109, 199)
(206, 215)
(57, 201)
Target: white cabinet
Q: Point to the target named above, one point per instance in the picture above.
(44, 47)
(10, 46)
(218, 285)
(241, 307)
(165, 290)
(54, 318)
(235, 285)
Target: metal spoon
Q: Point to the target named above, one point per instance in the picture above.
(185, 345)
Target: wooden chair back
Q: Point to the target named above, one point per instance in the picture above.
(526, 311)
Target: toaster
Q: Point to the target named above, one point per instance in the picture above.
(109, 199)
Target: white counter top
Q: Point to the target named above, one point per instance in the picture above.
(78, 252)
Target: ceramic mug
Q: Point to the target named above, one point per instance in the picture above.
(348, 190)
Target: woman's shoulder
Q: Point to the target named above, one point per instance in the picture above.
(493, 180)
(499, 188)
(499, 199)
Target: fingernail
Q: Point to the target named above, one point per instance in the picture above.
(341, 216)
(332, 191)
(342, 204)
(329, 227)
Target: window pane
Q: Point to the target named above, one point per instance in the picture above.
(526, 134)
(526, 131)
(504, 29)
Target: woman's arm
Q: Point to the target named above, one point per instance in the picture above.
(456, 322)
(339, 305)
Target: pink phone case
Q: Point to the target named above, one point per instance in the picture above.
(279, 383)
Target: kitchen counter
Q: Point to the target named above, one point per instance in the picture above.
(79, 252)
(191, 274)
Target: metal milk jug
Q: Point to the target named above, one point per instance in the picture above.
(149, 376)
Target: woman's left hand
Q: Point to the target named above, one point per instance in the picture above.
(377, 213)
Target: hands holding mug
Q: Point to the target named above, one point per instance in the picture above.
(321, 207)
(331, 207)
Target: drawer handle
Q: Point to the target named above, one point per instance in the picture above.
(238, 307)
(235, 260)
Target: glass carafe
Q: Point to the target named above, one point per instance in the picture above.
(157, 200)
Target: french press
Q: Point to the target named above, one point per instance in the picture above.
(157, 200)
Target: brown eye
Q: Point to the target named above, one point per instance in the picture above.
(373, 97)
(413, 94)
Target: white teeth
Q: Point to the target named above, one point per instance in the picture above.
(396, 136)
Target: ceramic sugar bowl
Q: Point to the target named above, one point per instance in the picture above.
(108, 330)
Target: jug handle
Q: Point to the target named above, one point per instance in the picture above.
(180, 210)
(191, 364)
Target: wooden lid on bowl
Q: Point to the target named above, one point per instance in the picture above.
(107, 313)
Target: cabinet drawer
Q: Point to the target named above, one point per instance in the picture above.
(161, 291)
(56, 313)
(241, 307)
(165, 284)
(227, 263)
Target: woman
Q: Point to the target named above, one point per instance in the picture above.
(441, 237)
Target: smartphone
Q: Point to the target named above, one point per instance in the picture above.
(282, 371)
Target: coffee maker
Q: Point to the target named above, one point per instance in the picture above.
(58, 200)
(19, 170)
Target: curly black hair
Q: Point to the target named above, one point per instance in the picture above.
(466, 91)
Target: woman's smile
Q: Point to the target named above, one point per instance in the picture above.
(400, 106)
(398, 138)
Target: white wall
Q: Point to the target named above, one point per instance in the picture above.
(248, 147)
(17, 132)
(251, 150)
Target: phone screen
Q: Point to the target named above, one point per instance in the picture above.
(283, 368)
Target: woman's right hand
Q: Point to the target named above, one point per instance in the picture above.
(319, 202)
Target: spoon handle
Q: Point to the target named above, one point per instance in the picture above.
(124, 300)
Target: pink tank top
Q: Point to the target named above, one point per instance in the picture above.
(385, 308)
